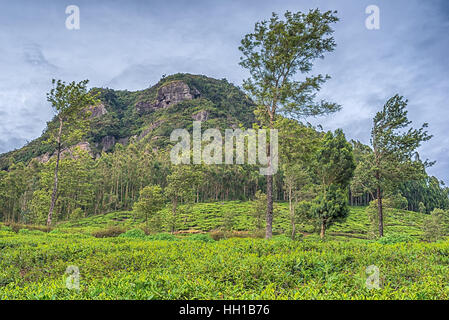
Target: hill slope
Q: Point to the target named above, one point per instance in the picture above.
(237, 216)
(150, 115)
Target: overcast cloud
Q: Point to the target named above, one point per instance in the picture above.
(131, 44)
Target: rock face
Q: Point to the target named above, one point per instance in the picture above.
(108, 142)
(203, 115)
(43, 158)
(97, 111)
(66, 152)
(152, 126)
(169, 94)
(123, 141)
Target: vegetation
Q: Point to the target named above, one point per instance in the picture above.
(97, 191)
(273, 54)
(69, 102)
(33, 267)
(391, 161)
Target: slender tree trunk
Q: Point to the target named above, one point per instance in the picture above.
(269, 230)
(292, 213)
(380, 212)
(174, 205)
(55, 184)
(323, 228)
(146, 222)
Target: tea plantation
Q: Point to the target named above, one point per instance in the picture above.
(230, 265)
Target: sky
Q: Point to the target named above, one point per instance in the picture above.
(131, 44)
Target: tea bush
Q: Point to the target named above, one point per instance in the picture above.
(134, 233)
(162, 236)
(33, 266)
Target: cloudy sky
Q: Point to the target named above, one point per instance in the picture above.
(130, 44)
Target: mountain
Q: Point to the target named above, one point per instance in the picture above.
(150, 115)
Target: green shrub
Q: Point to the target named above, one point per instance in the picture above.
(397, 238)
(434, 225)
(281, 237)
(6, 228)
(109, 232)
(397, 201)
(162, 236)
(201, 237)
(24, 231)
(134, 233)
(76, 214)
(422, 208)
(27, 231)
(57, 231)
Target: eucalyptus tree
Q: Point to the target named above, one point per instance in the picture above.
(151, 201)
(69, 102)
(274, 53)
(299, 144)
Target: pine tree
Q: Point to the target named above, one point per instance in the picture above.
(394, 159)
(334, 168)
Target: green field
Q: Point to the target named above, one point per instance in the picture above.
(136, 266)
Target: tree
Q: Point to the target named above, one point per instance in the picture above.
(299, 144)
(393, 159)
(430, 191)
(334, 168)
(273, 54)
(181, 187)
(330, 206)
(434, 225)
(422, 207)
(151, 201)
(69, 102)
(259, 208)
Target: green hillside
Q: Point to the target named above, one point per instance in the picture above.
(236, 217)
(144, 116)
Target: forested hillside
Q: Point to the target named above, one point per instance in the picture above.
(127, 149)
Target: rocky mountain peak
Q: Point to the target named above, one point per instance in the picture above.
(169, 94)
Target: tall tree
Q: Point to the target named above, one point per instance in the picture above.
(181, 188)
(394, 158)
(299, 144)
(334, 168)
(150, 202)
(259, 208)
(69, 102)
(273, 54)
